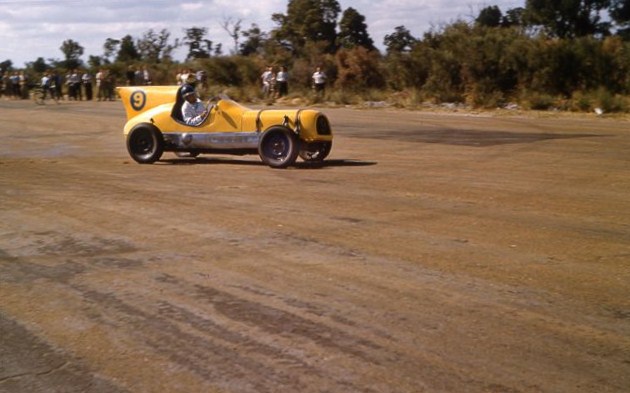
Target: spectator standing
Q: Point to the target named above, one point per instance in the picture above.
(146, 76)
(111, 85)
(202, 79)
(6, 84)
(201, 83)
(74, 85)
(131, 76)
(98, 79)
(106, 85)
(178, 78)
(267, 78)
(56, 85)
(319, 81)
(1, 82)
(15, 85)
(45, 85)
(23, 81)
(184, 76)
(138, 77)
(86, 79)
(282, 79)
(76, 80)
(67, 83)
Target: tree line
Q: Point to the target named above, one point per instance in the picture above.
(570, 54)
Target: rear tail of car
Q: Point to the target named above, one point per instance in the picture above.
(139, 99)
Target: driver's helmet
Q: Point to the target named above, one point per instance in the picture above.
(187, 90)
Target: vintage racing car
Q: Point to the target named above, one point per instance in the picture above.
(154, 125)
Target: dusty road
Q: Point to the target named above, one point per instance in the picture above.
(432, 253)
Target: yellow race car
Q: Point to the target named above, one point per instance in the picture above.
(155, 125)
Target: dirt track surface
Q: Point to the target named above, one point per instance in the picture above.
(431, 253)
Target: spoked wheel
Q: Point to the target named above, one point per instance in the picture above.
(187, 154)
(315, 152)
(145, 144)
(278, 147)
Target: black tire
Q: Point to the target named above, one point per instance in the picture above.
(315, 152)
(145, 143)
(278, 147)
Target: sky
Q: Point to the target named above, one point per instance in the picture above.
(36, 28)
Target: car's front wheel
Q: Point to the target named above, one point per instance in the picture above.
(315, 152)
(145, 143)
(187, 154)
(278, 147)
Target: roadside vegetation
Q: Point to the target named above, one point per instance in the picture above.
(571, 55)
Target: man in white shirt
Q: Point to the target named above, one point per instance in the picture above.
(267, 78)
(146, 76)
(319, 80)
(193, 110)
(99, 80)
(45, 84)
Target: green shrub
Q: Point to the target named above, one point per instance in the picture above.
(609, 102)
(580, 102)
(539, 101)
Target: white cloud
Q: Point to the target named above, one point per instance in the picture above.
(191, 6)
(32, 29)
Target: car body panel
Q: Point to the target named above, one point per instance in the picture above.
(153, 104)
(154, 125)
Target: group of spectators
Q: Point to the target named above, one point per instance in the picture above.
(13, 84)
(138, 76)
(76, 85)
(276, 85)
(197, 78)
(82, 85)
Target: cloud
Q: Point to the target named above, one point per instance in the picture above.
(189, 7)
(32, 29)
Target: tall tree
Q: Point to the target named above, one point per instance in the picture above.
(399, 41)
(110, 47)
(6, 65)
(198, 46)
(254, 40)
(72, 52)
(153, 47)
(490, 16)
(39, 65)
(353, 31)
(234, 31)
(513, 17)
(308, 21)
(128, 51)
(95, 61)
(620, 13)
(567, 18)
(358, 68)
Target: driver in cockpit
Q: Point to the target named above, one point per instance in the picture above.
(193, 110)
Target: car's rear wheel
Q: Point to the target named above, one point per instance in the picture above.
(278, 147)
(145, 143)
(315, 152)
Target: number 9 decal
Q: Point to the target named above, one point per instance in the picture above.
(138, 99)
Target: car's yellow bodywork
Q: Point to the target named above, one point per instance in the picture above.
(229, 127)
